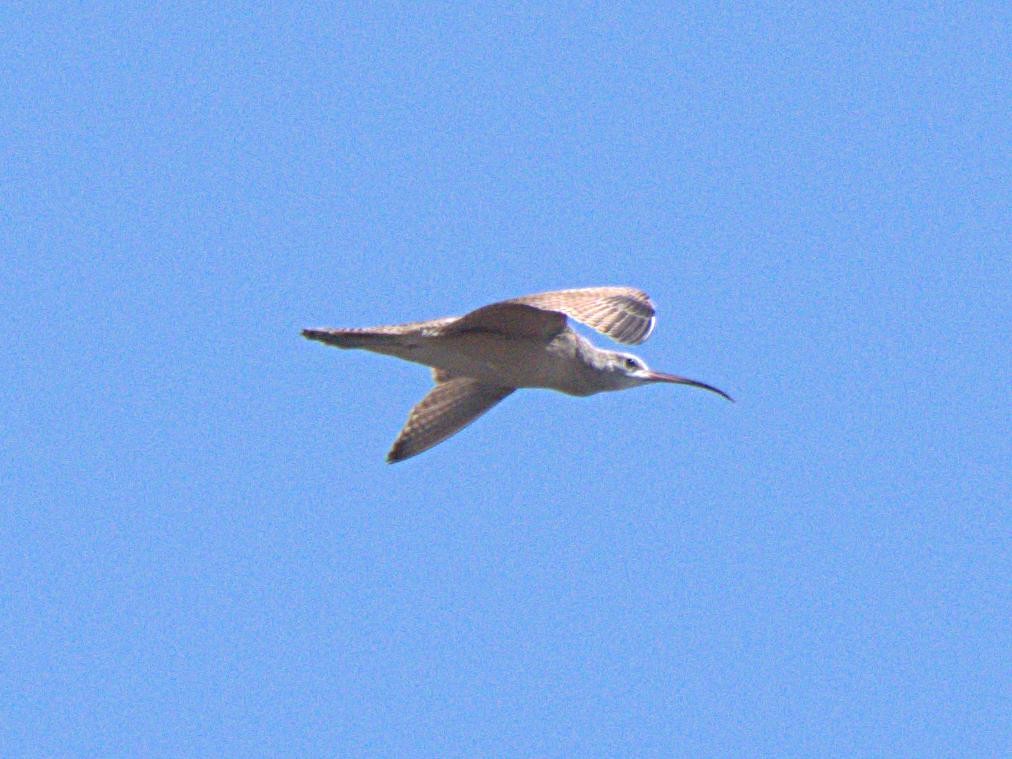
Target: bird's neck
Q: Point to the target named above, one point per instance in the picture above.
(595, 376)
(594, 358)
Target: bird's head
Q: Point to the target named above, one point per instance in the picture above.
(626, 370)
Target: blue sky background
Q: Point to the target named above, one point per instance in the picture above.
(203, 552)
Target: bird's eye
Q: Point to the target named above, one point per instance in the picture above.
(631, 363)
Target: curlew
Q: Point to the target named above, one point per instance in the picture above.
(481, 357)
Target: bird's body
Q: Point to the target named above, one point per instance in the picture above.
(558, 363)
(480, 358)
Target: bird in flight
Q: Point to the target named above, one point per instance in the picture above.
(481, 357)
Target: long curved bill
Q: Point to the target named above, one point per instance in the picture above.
(652, 376)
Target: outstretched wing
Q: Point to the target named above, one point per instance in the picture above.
(449, 407)
(624, 314)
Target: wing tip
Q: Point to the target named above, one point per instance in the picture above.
(399, 452)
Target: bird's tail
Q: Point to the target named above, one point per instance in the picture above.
(351, 338)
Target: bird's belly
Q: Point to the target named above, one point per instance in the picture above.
(509, 362)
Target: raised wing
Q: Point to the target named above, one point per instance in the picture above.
(624, 314)
(449, 407)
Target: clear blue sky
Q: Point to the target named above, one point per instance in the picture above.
(203, 552)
